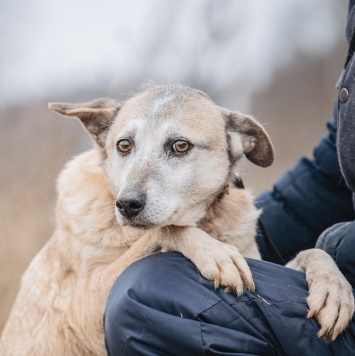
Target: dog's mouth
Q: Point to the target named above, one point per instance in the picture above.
(136, 223)
(141, 226)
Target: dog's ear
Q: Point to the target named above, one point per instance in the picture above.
(96, 116)
(255, 141)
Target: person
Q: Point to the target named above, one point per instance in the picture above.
(161, 305)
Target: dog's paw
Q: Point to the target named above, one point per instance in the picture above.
(331, 301)
(216, 261)
(330, 298)
(225, 266)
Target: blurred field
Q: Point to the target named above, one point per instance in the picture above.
(295, 110)
(35, 144)
(34, 147)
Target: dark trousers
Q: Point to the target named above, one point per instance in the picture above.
(162, 306)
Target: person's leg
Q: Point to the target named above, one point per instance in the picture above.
(162, 306)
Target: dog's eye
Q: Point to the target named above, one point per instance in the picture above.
(181, 146)
(124, 146)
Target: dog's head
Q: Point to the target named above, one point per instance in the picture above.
(168, 151)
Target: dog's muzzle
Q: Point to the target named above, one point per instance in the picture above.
(130, 203)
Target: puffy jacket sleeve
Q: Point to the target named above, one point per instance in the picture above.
(306, 200)
(339, 242)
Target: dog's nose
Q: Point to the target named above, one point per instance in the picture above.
(130, 203)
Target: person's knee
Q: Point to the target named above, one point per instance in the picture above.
(158, 285)
(136, 282)
(154, 281)
(118, 306)
(132, 288)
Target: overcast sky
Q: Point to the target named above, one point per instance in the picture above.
(50, 48)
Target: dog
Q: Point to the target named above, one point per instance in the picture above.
(158, 179)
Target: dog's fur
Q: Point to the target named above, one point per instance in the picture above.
(189, 208)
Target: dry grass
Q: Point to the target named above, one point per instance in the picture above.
(34, 146)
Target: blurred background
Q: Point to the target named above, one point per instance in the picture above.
(277, 60)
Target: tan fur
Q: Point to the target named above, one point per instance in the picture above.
(60, 306)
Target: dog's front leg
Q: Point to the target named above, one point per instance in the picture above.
(330, 297)
(216, 261)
